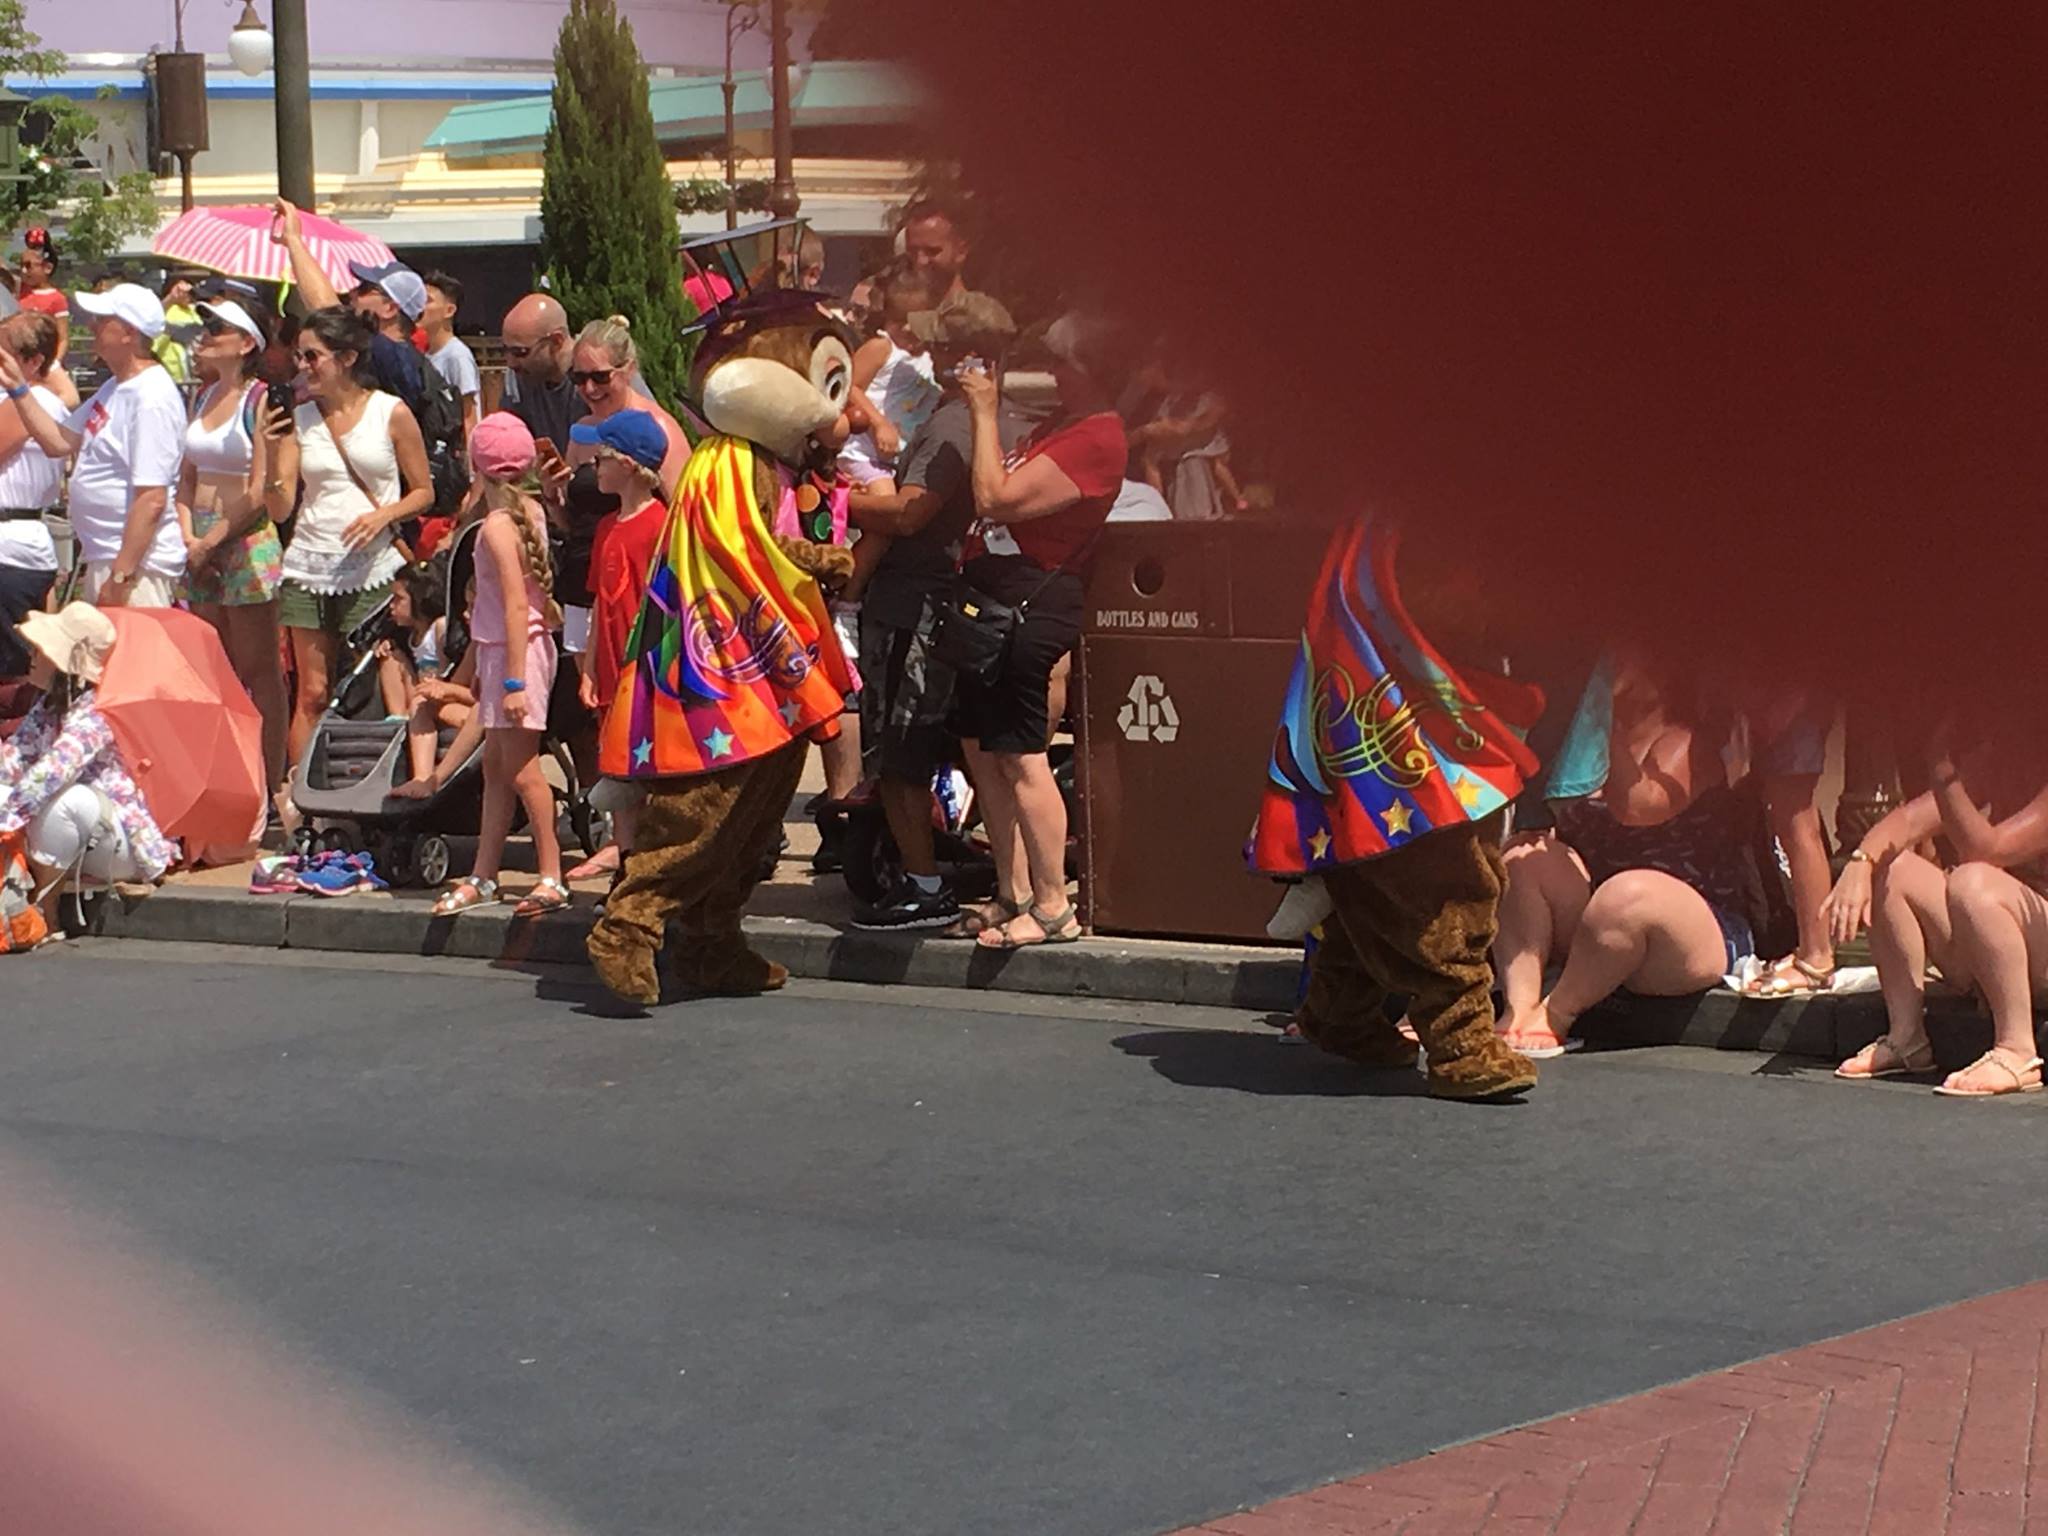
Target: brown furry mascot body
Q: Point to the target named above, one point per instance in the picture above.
(733, 665)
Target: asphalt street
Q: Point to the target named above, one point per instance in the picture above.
(866, 1260)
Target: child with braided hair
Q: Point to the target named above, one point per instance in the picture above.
(511, 624)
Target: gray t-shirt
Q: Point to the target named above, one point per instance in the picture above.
(457, 364)
(940, 458)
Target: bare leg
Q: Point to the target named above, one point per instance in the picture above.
(1546, 895)
(2001, 932)
(422, 737)
(1795, 822)
(522, 756)
(999, 815)
(908, 808)
(842, 758)
(314, 654)
(1056, 694)
(394, 682)
(501, 770)
(1643, 930)
(1910, 924)
(249, 634)
(1041, 817)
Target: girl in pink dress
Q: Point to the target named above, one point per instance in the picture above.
(511, 631)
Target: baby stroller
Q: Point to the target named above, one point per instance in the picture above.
(358, 755)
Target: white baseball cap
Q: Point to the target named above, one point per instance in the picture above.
(127, 301)
(228, 312)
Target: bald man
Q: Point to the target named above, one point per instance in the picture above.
(537, 387)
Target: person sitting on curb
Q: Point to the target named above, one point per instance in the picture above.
(1983, 922)
(62, 777)
(1642, 883)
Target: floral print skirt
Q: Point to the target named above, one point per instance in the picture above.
(243, 572)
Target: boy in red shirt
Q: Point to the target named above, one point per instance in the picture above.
(630, 448)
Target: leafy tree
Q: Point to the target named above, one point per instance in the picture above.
(607, 208)
(62, 189)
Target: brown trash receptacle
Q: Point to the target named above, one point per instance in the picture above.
(1188, 634)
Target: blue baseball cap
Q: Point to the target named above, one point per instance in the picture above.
(398, 283)
(636, 434)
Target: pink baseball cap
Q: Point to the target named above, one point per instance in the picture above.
(501, 446)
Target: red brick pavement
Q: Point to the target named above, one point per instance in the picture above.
(1923, 1427)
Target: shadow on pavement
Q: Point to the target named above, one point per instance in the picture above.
(1260, 1063)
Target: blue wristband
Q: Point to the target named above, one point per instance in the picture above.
(18, 393)
(515, 685)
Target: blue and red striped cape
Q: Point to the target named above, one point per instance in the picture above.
(1381, 740)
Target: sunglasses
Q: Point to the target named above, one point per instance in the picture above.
(601, 377)
(220, 328)
(309, 357)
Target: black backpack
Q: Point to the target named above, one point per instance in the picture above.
(438, 409)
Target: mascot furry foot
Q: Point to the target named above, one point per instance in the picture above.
(727, 967)
(1418, 920)
(697, 852)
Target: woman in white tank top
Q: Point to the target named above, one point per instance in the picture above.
(363, 463)
(233, 559)
(30, 482)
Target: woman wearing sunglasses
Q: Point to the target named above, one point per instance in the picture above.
(363, 461)
(233, 558)
(604, 367)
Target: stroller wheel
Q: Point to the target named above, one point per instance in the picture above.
(340, 840)
(432, 859)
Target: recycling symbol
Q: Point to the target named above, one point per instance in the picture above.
(1148, 714)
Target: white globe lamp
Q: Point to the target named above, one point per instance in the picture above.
(250, 45)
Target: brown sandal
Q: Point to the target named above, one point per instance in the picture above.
(1865, 1065)
(982, 916)
(1791, 977)
(1061, 927)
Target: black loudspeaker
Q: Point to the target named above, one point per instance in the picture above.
(181, 103)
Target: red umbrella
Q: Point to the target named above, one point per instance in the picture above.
(235, 242)
(186, 728)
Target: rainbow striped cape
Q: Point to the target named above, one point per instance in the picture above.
(1381, 740)
(733, 655)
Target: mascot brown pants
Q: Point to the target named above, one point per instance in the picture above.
(1418, 920)
(699, 847)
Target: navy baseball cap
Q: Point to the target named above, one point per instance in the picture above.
(636, 434)
(398, 283)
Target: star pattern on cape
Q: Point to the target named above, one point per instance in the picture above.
(642, 753)
(1399, 819)
(719, 743)
(1319, 846)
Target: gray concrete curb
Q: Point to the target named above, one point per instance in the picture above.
(1221, 976)
(1128, 970)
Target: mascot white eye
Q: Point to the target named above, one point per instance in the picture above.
(832, 370)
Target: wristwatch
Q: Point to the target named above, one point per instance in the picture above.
(123, 578)
(1860, 857)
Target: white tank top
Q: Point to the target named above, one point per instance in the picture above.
(224, 453)
(316, 558)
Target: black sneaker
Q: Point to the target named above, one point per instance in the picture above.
(908, 907)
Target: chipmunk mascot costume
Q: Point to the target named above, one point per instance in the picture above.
(732, 667)
(1390, 777)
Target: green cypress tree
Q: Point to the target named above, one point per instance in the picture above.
(607, 208)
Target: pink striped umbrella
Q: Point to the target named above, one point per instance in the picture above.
(235, 242)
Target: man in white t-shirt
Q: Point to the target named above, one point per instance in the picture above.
(449, 354)
(130, 442)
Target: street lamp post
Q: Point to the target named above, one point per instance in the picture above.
(734, 25)
(782, 196)
(294, 102)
